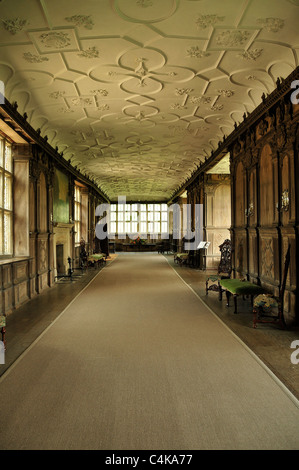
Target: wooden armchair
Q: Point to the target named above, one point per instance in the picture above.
(266, 307)
(224, 269)
(181, 258)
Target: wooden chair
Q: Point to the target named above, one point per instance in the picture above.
(181, 258)
(224, 269)
(268, 308)
(82, 254)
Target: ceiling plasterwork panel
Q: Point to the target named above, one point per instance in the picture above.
(136, 93)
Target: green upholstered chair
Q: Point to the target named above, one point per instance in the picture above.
(268, 308)
(237, 287)
(96, 259)
(181, 258)
(224, 269)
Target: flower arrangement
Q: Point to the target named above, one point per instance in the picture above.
(138, 241)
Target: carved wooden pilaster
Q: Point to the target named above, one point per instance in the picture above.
(50, 176)
(72, 198)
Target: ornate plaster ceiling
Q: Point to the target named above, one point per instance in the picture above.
(137, 92)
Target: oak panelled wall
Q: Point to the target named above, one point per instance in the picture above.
(262, 218)
(32, 268)
(264, 179)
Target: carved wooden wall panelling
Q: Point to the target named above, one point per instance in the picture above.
(264, 177)
(43, 204)
(42, 233)
(253, 250)
(23, 279)
(240, 196)
(240, 252)
(252, 209)
(50, 185)
(269, 257)
(266, 188)
(288, 213)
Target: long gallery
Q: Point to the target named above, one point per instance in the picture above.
(149, 225)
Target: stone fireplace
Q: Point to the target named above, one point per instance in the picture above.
(63, 234)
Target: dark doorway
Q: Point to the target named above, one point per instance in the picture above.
(59, 260)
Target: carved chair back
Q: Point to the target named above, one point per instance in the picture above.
(225, 265)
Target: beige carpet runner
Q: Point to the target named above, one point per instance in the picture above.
(137, 361)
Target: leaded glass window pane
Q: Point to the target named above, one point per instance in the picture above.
(143, 227)
(6, 206)
(113, 227)
(7, 233)
(7, 156)
(164, 228)
(1, 151)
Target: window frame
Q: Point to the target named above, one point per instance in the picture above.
(77, 212)
(148, 215)
(6, 175)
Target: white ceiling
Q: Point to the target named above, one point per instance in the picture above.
(137, 92)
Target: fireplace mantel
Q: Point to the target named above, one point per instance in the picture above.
(62, 225)
(62, 235)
